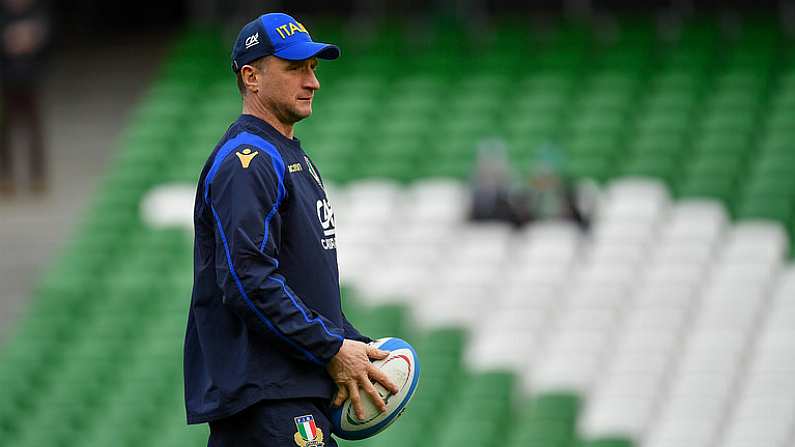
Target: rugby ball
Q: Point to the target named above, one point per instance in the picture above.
(403, 368)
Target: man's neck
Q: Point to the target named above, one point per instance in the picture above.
(256, 109)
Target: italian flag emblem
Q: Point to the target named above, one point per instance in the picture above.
(306, 427)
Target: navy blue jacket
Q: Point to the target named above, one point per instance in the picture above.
(265, 316)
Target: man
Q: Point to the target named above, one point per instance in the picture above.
(492, 195)
(24, 35)
(266, 338)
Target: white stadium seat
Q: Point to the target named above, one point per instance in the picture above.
(169, 205)
(646, 362)
(569, 372)
(656, 294)
(625, 416)
(690, 252)
(700, 220)
(756, 241)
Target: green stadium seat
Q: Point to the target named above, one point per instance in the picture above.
(783, 186)
(659, 120)
(406, 432)
(677, 81)
(606, 145)
(478, 433)
(733, 100)
(447, 145)
(606, 442)
(400, 169)
(541, 97)
(776, 152)
(548, 433)
(546, 86)
(779, 143)
(715, 165)
(654, 142)
(772, 167)
(596, 121)
(546, 420)
(594, 167)
(443, 341)
(493, 385)
(552, 406)
(719, 188)
(780, 122)
(526, 122)
(688, 57)
(721, 121)
(627, 57)
(661, 166)
(729, 144)
(778, 208)
(607, 101)
(382, 321)
(785, 99)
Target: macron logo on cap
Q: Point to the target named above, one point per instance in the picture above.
(252, 40)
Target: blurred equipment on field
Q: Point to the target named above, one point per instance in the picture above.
(550, 194)
(492, 195)
(546, 194)
(24, 33)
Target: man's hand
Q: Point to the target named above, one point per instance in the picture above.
(351, 368)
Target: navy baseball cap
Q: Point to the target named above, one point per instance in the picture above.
(279, 35)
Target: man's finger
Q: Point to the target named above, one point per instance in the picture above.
(380, 377)
(374, 396)
(342, 394)
(375, 353)
(356, 400)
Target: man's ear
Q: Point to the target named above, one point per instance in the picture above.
(249, 74)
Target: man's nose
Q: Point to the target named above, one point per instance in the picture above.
(311, 82)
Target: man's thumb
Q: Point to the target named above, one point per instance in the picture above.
(376, 353)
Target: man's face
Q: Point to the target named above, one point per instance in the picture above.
(286, 88)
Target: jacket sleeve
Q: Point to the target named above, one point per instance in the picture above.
(352, 333)
(244, 194)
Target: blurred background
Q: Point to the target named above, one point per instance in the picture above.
(580, 213)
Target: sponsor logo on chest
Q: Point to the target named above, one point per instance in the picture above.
(325, 214)
(323, 208)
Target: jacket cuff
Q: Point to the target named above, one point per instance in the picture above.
(330, 351)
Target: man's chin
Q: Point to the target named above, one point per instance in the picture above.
(302, 113)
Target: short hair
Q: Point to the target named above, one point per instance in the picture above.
(241, 87)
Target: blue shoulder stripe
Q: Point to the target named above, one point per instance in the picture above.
(245, 138)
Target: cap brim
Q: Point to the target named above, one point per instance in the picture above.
(304, 50)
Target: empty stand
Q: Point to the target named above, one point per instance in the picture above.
(670, 324)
